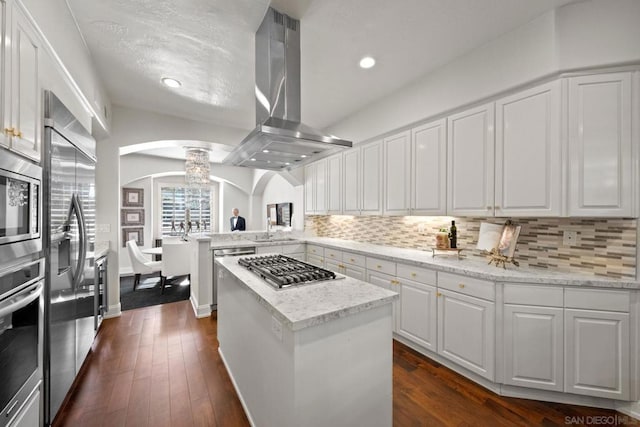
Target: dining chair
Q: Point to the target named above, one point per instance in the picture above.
(140, 264)
(176, 261)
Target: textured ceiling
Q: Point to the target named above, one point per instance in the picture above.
(208, 45)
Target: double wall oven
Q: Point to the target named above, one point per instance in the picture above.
(20, 208)
(21, 330)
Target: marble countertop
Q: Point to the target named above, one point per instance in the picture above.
(300, 307)
(472, 267)
(466, 266)
(100, 249)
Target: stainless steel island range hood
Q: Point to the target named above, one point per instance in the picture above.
(280, 141)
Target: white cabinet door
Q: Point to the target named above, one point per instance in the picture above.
(309, 190)
(466, 332)
(371, 179)
(320, 187)
(429, 169)
(334, 266)
(600, 149)
(534, 347)
(26, 100)
(470, 154)
(387, 282)
(334, 185)
(417, 313)
(351, 185)
(355, 272)
(597, 353)
(5, 74)
(528, 178)
(397, 174)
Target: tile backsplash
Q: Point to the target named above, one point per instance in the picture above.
(605, 247)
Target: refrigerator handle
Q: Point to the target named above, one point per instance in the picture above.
(82, 226)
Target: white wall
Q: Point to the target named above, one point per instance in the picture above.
(279, 190)
(231, 197)
(585, 34)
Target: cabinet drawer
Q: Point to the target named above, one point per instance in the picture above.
(315, 260)
(354, 259)
(417, 274)
(597, 299)
(467, 285)
(293, 249)
(269, 250)
(548, 296)
(380, 265)
(315, 250)
(332, 254)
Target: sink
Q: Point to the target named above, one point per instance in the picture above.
(275, 239)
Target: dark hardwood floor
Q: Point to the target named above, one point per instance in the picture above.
(159, 366)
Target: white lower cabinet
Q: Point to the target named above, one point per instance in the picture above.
(597, 359)
(416, 319)
(466, 332)
(533, 346)
(385, 281)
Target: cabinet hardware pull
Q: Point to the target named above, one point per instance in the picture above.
(352, 260)
(9, 131)
(413, 274)
(17, 133)
(461, 285)
(488, 208)
(497, 207)
(331, 255)
(379, 266)
(438, 294)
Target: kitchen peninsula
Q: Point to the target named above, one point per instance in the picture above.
(313, 355)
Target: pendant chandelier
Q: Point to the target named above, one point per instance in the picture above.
(197, 168)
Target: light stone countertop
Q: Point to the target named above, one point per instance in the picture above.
(466, 266)
(472, 267)
(300, 307)
(100, 249)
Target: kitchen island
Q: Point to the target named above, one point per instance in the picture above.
(315, 355)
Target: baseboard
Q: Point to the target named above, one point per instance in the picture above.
(235, 386)
(200, 311)
(631, 409)
(114, 311)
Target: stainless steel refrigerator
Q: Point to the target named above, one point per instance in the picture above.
(69, 230)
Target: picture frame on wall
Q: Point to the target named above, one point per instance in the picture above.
(133, 233)
(130, 217)
(132, 197)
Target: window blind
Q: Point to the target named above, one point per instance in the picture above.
(175, 201)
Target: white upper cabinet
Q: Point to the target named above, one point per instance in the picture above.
(351, 182)
(600, 149)
(321, 187)
(470, 152)
(315, 191)
(334, 184)
(371, 185)
(309, 178)
(22, 119)
(4, 73)
(397, 173)
(528, 153)
(428, 169)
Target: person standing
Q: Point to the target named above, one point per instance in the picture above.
(237, 222)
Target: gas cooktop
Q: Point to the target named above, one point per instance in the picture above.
(282, 271)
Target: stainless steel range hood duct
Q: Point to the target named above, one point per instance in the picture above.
(280, 141)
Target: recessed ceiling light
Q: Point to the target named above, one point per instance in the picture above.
(253, 160)
(265, 151)
(367, 62)
(287, 163)
(168, 81)
(303, 156)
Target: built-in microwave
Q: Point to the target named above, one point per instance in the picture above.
(20, 207)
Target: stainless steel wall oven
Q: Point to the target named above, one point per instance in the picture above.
(21, 329)
(20, 207)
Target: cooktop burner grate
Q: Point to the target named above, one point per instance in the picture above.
(282, 271)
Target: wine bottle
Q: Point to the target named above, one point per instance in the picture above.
(453, 235)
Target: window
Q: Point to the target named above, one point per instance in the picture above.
(175, 201)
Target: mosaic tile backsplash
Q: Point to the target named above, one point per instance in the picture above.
(605, 247)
